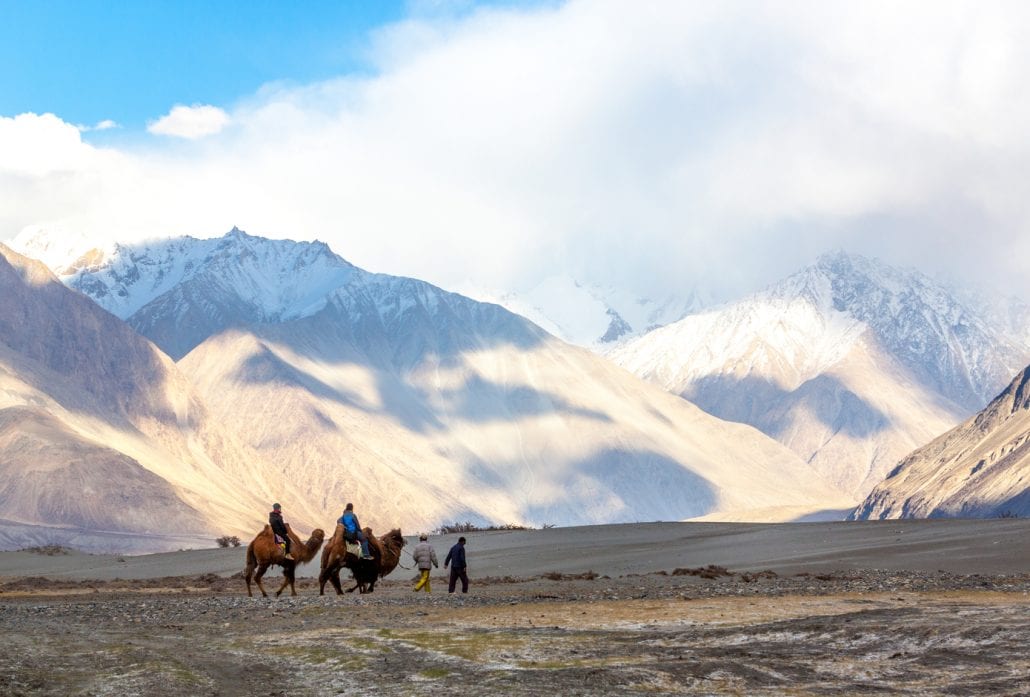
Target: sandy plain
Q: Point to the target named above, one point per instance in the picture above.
(889, 607)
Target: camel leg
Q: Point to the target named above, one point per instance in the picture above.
(332, 575)
(257, 578)
(288, 576)
(248, 575)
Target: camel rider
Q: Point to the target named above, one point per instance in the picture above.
(352, 530)
(275, 519)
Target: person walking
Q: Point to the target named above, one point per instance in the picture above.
(456, 559)
(275, 519)
(425, 556)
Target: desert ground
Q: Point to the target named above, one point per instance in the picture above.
(890, 607)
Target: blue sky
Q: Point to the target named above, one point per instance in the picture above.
(88, 61)
(655, 147)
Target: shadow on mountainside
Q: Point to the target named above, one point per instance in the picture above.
(617, 485)
(66, 346)
(768, 407)
(392, 356)
(477, 401)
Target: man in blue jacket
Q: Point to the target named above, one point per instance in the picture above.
(352, 530)
(456, 559)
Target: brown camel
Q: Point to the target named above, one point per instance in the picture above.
(263, 552)
(385, 552)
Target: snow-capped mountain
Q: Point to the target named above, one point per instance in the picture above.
(591, 315)
(980, 468)
(851, 363)
(424, 406)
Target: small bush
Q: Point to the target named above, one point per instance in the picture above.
(228, 541)
(710, 572)
(558, 576)
(48, 550)
(469, 526)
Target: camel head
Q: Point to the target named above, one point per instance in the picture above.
(313, 544)
(394, 539)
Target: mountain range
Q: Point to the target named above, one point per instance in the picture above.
(160, 393)
(300, 377)
(850, 362)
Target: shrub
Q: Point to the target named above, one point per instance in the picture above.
(469, 526)
(228, 541)
(48, 550)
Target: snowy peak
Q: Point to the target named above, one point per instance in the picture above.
(179, 292)
(813, 317)
(921, 322)
(850, 362)
(592, 315)
(272, 279)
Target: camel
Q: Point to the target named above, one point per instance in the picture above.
(385, 552)
(263, 552)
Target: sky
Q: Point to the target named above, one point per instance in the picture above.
(655, 147)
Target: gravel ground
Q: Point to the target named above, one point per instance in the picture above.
(689, 631)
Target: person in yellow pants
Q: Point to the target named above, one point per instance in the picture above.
(425, 556)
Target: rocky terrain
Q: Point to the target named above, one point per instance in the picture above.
(698, 631)
(807, 625)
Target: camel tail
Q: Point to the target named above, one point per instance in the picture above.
(251, 559)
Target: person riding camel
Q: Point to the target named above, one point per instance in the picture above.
(275, 519)
(352, 530)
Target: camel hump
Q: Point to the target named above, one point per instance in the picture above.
(337, 535)
(376, 545)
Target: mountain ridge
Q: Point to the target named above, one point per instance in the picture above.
(843, 346)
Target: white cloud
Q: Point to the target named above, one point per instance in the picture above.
(647, 148)
(191, 122)
(34, 145)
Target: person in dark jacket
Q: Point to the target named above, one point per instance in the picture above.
(456, 559)
(275, 519)
(352, 529)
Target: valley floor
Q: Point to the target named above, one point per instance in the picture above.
(796, 627)
(858, 633)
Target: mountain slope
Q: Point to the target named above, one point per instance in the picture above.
(100, 429)
(980, 468)
(424, 406)
(850, 363)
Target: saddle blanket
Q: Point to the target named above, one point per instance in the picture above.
(353, 547)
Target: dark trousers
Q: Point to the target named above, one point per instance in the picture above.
(455, 575)
(286, 538)
(358, 536)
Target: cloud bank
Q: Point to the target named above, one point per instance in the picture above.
(674, 144)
